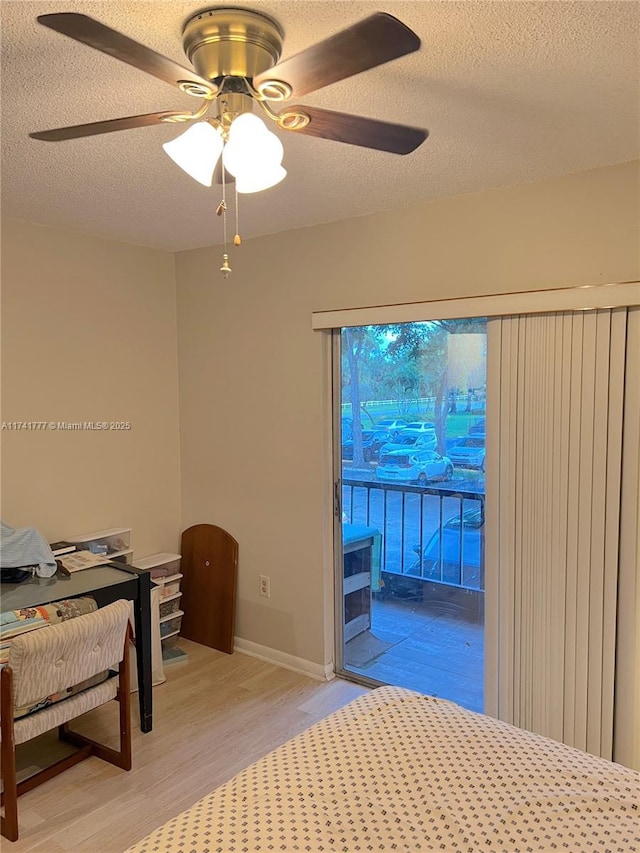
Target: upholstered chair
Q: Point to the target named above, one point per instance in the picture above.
(62, 671)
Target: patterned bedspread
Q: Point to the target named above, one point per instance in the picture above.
(398, 771)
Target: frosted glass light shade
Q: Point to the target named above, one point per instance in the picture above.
(197, 151)
(253, 155)
(256, 182)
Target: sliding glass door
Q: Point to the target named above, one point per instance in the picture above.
(410, 492)
(524, 604)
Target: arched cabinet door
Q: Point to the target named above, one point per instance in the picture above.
(210, 568)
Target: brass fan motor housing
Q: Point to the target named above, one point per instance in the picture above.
(226, 42)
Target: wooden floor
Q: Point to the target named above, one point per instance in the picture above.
(215, 714)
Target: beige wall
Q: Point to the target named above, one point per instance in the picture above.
(88, 334)
(253, 376)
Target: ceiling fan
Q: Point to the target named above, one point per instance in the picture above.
(235, 53)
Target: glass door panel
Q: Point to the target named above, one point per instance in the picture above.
(412, 400)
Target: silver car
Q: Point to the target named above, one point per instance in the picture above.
(469, 452)
(422, 426)
(411, 441)
(419, 465)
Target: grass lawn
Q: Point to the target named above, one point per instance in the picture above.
(457, 424)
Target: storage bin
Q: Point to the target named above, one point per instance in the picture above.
(122, 557)
(171, 606)
(169, 589)
(171, 625)
(113, 542)
(165, 573)
(160, 565)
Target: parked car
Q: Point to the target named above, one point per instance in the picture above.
(478, 427)
(426, 430)
(421, 426)
(405, 441)
(448, 545)
(372, 441)
(347, 428)
(469, 452)
(394, 425)
(419, 465)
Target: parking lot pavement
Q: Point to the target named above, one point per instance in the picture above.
(407, 519)
(461, 479)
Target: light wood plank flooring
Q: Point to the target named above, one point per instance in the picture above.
(215, 714)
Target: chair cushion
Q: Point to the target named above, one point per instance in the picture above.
(16, 622)
(50, 718)
(63, 694)
(50, 661)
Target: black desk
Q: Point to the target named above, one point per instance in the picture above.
(106, 584)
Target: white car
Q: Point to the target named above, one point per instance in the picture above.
(420, 465)
(392, 425)
(421, 426)
(410, 441)
(469, 452)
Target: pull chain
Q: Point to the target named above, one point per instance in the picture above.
(225, 269)
(237, 239)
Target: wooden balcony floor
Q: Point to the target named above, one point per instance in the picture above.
(434, 651)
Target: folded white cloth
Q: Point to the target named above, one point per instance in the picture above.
(26, 547)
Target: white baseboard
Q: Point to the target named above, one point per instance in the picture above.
(287, 661)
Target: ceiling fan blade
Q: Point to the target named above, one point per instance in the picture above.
(358, 130)
(371, 42)
(94, 34)
(59, 134)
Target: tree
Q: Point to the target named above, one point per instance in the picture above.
(403, 362)
(359, 346)
(424, 345)
(402, 383)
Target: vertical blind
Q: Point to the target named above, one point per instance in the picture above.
(556, 412)
(626, 744)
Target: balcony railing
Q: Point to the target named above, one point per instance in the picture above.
(433, 533)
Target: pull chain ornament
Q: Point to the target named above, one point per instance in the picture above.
(237, 239)
(225, 269)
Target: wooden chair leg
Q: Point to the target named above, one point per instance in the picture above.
(8, 823)
(120, 758)
(124, 700)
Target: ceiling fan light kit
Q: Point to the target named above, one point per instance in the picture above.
(197, 151)
(236, 56)
(253, 155)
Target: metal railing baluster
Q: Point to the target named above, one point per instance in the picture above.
(396, 527)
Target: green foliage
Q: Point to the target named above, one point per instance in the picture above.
(402, 364)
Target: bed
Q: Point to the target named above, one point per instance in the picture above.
(395, 770)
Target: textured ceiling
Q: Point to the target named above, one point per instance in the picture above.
(510, 91)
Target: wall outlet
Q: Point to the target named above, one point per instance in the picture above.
(265, 586)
